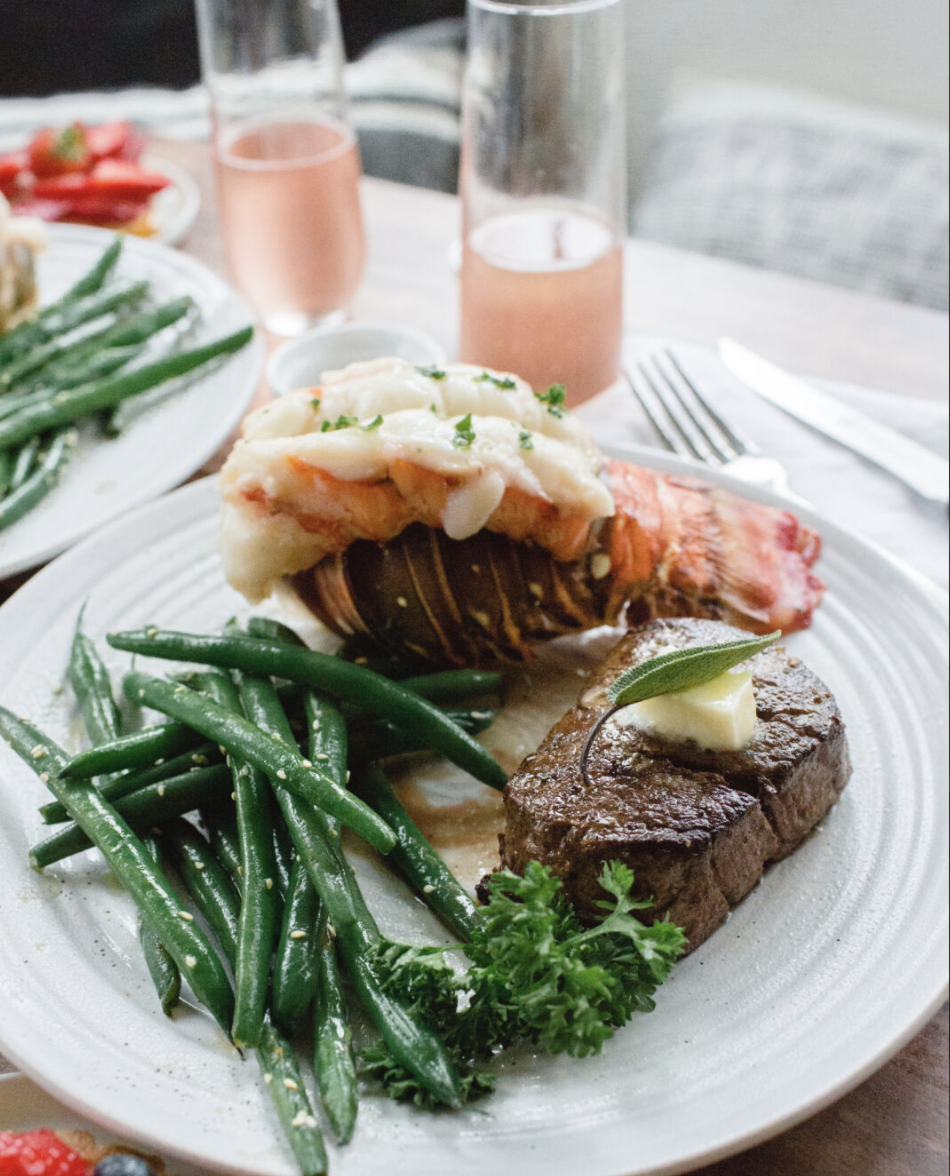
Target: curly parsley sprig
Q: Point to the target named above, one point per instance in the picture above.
(536, 974)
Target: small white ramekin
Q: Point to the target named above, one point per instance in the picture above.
(300, 362)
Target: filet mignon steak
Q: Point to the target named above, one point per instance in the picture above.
(696, 826)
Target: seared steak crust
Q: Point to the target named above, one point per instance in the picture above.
(696, 826)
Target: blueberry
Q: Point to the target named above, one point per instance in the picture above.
(123, 1165)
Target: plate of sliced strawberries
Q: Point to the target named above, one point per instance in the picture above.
(99, 175)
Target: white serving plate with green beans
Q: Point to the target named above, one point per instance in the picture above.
(165, 443)
(822, 973)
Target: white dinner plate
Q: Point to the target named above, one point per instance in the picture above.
(834, 961)
(104, 478)
(173, 210)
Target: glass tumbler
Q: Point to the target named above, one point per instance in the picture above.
(543, 186)
(286, 159)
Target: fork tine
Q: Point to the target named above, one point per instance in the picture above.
(721, 450)
(683, 421)
(738, 440)
(674, 439)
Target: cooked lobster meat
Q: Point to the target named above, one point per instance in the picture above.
(459, 517)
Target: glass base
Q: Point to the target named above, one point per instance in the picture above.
(291, 323)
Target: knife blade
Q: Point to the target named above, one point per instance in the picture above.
(912, 463)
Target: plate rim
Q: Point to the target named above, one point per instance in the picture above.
(175, 472)
(874, 1056)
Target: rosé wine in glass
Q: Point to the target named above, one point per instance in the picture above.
(541, 290)
(288, 195)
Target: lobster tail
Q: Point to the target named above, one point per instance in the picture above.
(680, 546)
(474, 601)
(676, 546)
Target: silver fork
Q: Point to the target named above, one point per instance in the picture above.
(689, 425)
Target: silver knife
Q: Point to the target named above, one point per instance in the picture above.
(927, 473)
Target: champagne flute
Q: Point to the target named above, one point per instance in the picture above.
(543, 185)
(286, 159)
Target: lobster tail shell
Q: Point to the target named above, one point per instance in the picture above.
(676, 546)
(472, 601)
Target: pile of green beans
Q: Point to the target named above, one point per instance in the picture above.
(263, 864)
(68, 364)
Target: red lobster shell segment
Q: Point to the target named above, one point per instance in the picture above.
(680, 546)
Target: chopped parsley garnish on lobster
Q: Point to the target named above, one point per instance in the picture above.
(554, 398)
(341, 422)
(315, 404)
(464, 433)
(505, 383)
(373, 424)
(433, 372)
(535, 975)
(525, 440)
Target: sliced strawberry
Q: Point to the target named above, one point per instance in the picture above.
(103, 210)
(11, 166)
(125, 180)
(109, 140)
(38, 1153)
(57, 151)
(61, 187)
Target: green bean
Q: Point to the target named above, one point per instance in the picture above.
(128, 411)
(65, 322)
(329, 674)
(295, 960)
(65, 407)
(7, 459)
(128, 333)
(28, 334)
(243, 739)
(92, 686)
(139, 749)
(161, 967)
(375, 739)
(40, 482)
(140, 810)
(283, 1079)
(333, 1061)
(334, 1064)
(220, 820)
(118, 786)
(54, 348)
(131, 865)
(220, 906)
(44, 356)
(259, 916)
(94, 367)
(414, 1045)
(267, 629)
(450, 686)
(90, 282)
(207, 881)
(307, 966)
(284, 855)
(415, 858)
(24, 463)
(102, 301)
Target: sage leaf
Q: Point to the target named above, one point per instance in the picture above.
(680, 669)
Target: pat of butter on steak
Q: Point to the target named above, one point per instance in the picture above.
(696, 826)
